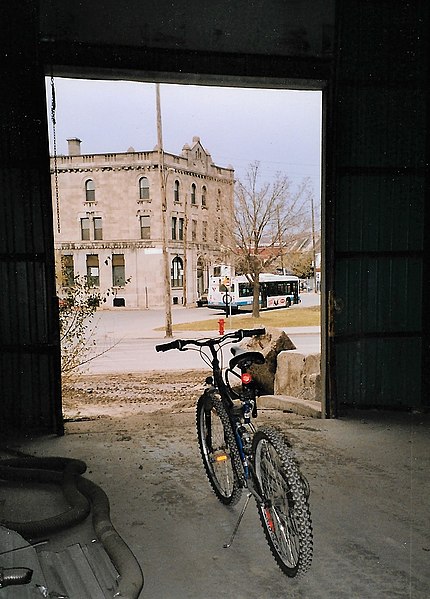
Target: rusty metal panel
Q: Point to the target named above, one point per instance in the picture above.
(378, 295)
(379, 372)
(379, 151)
(29, 325)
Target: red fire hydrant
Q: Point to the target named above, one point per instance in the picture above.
(221, 323)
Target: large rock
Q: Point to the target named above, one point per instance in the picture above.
(270, 345)
(299, 375)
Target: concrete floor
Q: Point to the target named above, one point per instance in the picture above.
(369, 478)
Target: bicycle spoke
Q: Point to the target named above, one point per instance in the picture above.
(285, 512)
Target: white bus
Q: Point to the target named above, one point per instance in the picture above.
(276, 291)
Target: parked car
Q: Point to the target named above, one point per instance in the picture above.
(202, 300)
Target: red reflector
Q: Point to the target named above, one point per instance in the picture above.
(246, 378)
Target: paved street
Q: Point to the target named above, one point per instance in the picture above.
(128, 339)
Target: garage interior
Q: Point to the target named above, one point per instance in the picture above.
(372, 62)
(370, 59)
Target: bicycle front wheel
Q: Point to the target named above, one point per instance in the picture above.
(284, 513)
(218, 447)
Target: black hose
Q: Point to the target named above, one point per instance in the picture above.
(80, 493)
(62, 473)
(131, 578)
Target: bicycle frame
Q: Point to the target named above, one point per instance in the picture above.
(238, 455)
(245, 411)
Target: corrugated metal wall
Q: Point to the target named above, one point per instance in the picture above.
(29, 336)
(378, 146)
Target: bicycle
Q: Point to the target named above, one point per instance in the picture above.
(236, 455)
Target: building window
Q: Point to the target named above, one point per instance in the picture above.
(218, 200)
(90, 191)
(176, 191)
(177, 272)
(193, 194)
(204, 193)
(67, 271)
(204, 231)
(194, 230)
(93, 271)
(118, 270)
(174, 223)
(85, 229)
(145, 227)
(143, 188)
(98, 228)
(181, 229)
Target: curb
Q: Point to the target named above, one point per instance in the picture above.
(302, 407)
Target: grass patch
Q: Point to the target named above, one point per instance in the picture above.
(282, 318)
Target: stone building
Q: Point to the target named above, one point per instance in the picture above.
(108, 222)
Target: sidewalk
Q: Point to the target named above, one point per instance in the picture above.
(129, 339)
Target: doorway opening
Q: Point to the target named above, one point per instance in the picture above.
(107, 203)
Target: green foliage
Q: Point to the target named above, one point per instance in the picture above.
(77, 308)
(300, 264)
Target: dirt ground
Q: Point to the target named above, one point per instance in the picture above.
(96, 396)
(150, 395)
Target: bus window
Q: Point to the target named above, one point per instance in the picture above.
(245, 290)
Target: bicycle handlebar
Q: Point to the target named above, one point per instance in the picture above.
(167, 346)
(236, 335)
(253, 332)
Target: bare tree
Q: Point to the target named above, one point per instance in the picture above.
(267, 216)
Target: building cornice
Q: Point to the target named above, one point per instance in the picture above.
(141, 167)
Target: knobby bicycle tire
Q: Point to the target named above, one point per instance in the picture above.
(284, 513)
(218, 449)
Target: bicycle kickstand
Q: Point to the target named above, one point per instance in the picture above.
(227, 545)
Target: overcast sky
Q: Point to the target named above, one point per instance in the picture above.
(279, 128)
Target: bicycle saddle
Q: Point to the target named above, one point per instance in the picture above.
(244, 355)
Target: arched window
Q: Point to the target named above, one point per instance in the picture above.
(177, 272)
(193, 193)
(90, 191)
(143, 188)
(204, 193)
(176, 191)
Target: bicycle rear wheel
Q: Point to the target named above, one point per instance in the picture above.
(284, 513)
(218, 447)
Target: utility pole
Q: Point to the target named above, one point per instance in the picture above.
(184, 234)
(281, 247)
(163, 178)
(313, 244)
